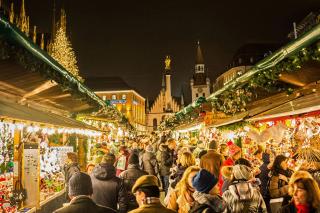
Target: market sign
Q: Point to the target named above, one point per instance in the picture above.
(118, 102)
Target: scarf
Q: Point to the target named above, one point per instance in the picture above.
(214, 201)
(302, 208)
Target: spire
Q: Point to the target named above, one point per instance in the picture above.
(11, 16)
(182, 98)
(23, 20)
(147, 105)
(199, 58)
(34, 37)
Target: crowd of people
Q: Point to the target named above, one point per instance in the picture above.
(169, 176)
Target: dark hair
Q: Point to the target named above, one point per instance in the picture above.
(213, 144)
(243, 161)
(150, 191)
(201, 153)
(276, 166)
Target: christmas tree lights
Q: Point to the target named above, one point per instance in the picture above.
(61, 49)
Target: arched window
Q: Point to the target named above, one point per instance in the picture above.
(155, 124)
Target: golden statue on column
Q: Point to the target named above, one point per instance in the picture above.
(167, 62)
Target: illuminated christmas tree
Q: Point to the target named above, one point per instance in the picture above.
(61, 49)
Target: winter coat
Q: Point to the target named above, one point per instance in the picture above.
(108, 190)
(212, 162)
(167, 161)
(149, 163)
(264, 175)
(84, 204)
(278, 186)
(178, 204)
(129, 178)
(207, 203)
(177, 175)
(152, 208)
(69, 170)
(241, 196)
(290, 208)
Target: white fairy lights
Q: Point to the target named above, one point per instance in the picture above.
(52, 130)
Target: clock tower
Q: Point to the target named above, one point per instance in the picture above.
(200, 82)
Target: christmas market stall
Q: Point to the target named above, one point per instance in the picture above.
(285, 83)
(39, 101)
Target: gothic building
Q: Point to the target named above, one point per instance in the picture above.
(200, 82)
(165, 104)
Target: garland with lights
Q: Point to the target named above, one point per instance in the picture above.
(235, 100)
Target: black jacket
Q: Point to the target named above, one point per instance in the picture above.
(108, 190)
(290, 208)
(129, 178)
(264, 175)
(84, 205)
(69, 170)
(167, 160)
(149, 163)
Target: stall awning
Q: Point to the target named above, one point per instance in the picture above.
(230, 120)
(17, 112)
(301, 105)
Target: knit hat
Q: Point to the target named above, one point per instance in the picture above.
(108, 159)
(72, 156)
(242, 172)
(149, 148)
(133, 159)
(80, 184)
(204, 181)
(234, 149)
(145, 181)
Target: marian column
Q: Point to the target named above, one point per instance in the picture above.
(168, 82)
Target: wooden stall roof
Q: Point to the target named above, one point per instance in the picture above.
(19, 113)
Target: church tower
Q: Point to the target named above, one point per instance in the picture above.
(200, 82)
(165, 104)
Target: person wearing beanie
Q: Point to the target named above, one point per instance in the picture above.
(70, 167)
(149, 161)
(80, 191)
(206, 200)
(129, 177)
(146, 190)
(234, 154)
(108, 189)
(241, 195)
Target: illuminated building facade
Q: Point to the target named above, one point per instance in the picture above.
(127, 100)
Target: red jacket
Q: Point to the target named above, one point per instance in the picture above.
(228, 162)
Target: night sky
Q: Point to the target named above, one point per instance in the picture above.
(131, 38)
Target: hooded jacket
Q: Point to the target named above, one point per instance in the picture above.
(129, 178)
(108, 190)
(207, 203)
(241, 196)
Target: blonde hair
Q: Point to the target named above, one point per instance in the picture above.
(182, 186)
(309, 184)
(186, 159)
